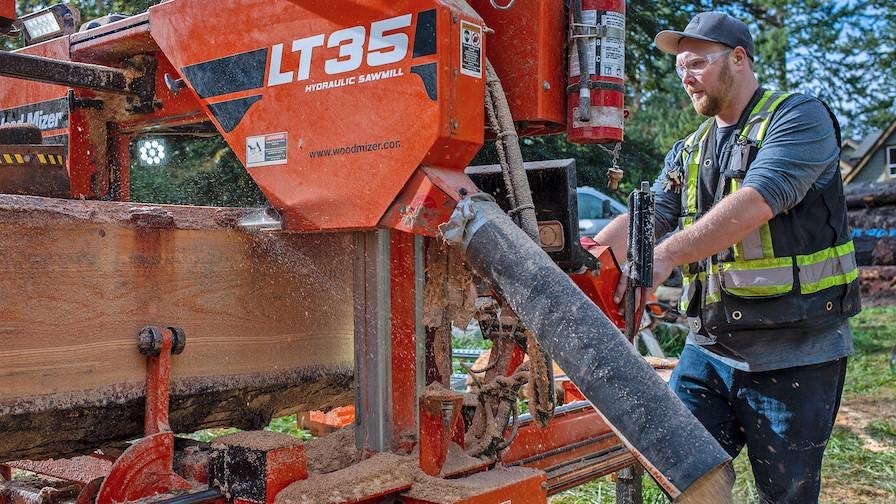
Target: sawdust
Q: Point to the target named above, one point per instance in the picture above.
(290, 250)
(459, 463)
(44, 489)
(452, 490)
(436, 389)
(332, 452)
(448, 299)
(381, 474)
(541, 388)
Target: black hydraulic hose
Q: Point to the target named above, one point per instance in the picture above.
(517, 181)
(507, 143)
(661, 433)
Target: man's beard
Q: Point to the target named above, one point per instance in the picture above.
(711, 103)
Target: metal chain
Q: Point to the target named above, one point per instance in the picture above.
(614, 173)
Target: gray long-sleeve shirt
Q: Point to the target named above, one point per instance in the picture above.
(798, 152)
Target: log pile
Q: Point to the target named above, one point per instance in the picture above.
(878, 284)
(869, 194)
(872, 217)
(268, 319)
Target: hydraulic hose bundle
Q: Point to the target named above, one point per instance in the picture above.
(523, 213)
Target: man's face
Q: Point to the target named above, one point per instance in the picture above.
(711, 87)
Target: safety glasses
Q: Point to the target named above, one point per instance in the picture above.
(696, 66)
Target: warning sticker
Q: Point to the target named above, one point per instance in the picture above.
(612, 50)
(266, 150)
(470, 49)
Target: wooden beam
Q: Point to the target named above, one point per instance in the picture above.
(268, 319)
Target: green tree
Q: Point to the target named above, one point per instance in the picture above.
(842, 51)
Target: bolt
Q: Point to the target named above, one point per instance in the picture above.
(149, 341)
(455, 18)
(546, 85)
(178, 340)
(462, 191)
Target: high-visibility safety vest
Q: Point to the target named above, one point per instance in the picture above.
(797, 270)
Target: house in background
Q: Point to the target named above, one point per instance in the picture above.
(871, 160)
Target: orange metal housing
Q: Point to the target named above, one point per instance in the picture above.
(331, 110)
(529, 56)
(7, 10)
(348, 103)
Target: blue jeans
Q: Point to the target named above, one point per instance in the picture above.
(784, 418)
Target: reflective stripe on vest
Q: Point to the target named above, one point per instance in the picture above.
(827, 268)
(755, 272)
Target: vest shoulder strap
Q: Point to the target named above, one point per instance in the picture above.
(757, 124)
(696, 137)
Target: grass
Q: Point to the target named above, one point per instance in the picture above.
(284, 425)
(860, 459)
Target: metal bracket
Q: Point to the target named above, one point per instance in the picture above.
(82, 103)
(137, 80)
(147, 467)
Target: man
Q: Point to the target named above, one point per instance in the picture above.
(770, 273)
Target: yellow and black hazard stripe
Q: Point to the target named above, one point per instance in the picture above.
(20, 159)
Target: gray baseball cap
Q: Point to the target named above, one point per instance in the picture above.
(712, 27)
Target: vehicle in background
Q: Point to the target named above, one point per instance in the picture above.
(596, 210)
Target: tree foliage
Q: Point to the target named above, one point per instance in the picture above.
(842, 51)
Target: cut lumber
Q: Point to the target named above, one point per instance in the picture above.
(268, 320)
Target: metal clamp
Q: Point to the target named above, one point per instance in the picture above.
(608, 86)
(174, 84)
(149, 340)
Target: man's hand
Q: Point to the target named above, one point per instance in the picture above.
(622, 286)
(662, 269)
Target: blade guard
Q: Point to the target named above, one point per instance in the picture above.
(332, 111)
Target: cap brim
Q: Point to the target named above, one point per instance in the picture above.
(667, 40)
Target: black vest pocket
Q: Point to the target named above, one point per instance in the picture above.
(733, 313)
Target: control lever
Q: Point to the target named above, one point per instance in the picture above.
(641, 210)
